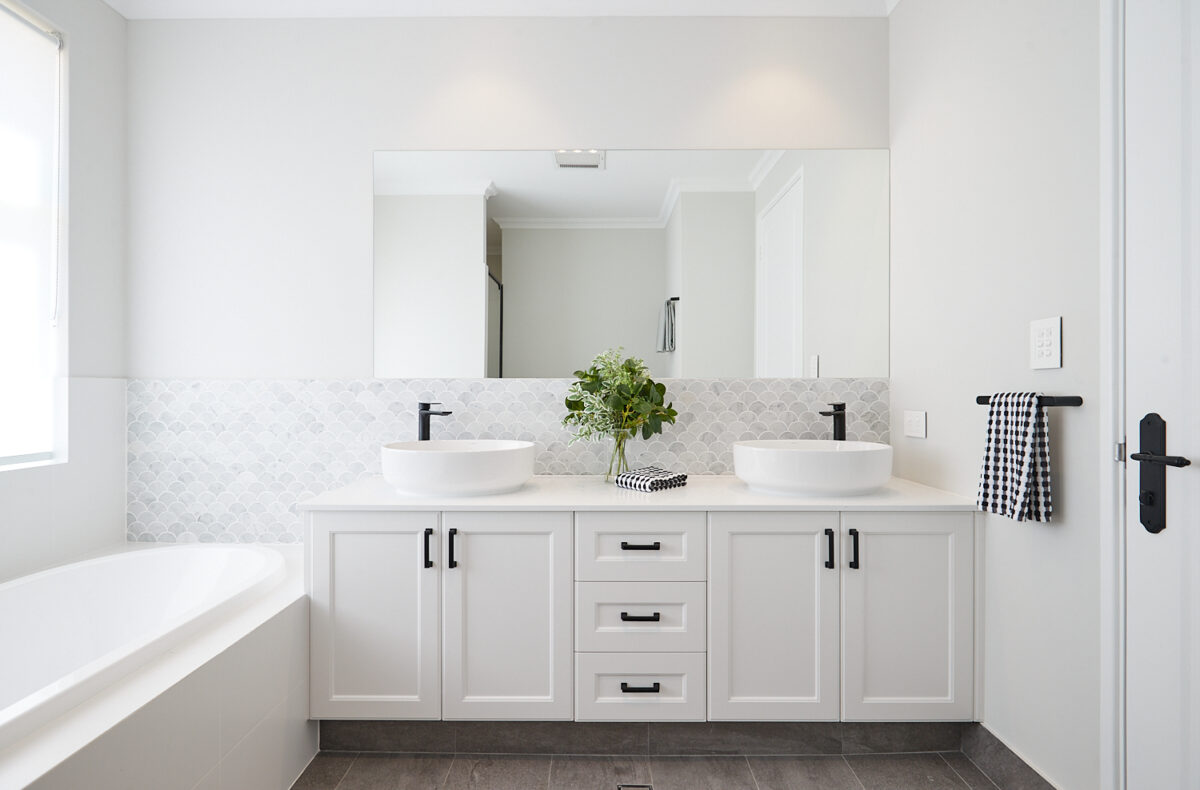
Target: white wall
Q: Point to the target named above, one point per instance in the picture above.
(53, 513)
(845, 256)
(569, 294)
(714, 336)
(995, 207)
(431, 284)
(251, 148)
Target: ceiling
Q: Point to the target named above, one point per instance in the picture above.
(528, 189)
(318, 9)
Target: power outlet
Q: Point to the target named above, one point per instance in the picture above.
(1045, 343)
(915, 424)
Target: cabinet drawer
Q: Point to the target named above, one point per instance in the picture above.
(640, 546)
(639, 686)
(639, 617)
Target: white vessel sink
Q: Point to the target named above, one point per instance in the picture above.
(812, 466)
(458, 467)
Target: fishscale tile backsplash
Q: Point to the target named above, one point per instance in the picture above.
(227, 461)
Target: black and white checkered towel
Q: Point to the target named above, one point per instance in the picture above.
(1015, 480)
(651, 478)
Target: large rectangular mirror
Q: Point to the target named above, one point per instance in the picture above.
(707, 264)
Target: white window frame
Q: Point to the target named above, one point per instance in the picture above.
(58, 453)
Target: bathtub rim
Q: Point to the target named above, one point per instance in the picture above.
(42, 706)
(38, 752)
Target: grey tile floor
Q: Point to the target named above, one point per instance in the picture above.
(387, 771)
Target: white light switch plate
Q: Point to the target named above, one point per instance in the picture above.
(1045, 343)
(915, 424)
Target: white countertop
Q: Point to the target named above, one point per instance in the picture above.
(586, 492)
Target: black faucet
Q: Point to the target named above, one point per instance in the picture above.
(839, 420)
(423, 415)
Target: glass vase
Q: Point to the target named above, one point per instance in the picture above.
(618, 463)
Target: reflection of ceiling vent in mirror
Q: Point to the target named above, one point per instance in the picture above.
(589, 159)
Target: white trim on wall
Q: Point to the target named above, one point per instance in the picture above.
(675, 188)
(1111, 274)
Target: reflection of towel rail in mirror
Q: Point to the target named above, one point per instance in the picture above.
(666, 326)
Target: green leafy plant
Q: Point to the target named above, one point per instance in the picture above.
(616, 398)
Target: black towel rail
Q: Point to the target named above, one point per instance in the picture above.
(1043, 400)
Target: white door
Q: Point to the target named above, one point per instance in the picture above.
(773, 616)
(908, 616)
(374, 640)
(507, 626)
(1162, 200)
(779, 288)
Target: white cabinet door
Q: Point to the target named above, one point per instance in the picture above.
(773, 616)
(507, 626)
(374, 638)
(907, 616)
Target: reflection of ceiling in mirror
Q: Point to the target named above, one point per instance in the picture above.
(635, 188)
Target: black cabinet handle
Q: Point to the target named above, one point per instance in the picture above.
(626, 617)
(854, 549)
(428, 562)
(628, 689)
(627, 546)
(450, 561)
(829, 561)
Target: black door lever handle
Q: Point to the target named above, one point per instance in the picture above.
(1165, 460)
(1152, 474)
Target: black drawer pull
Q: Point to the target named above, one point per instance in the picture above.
(854, 544)
(829, 537)
(428, 562)
(450, 561)
(627, 546)
(626, 617)
(628, 689)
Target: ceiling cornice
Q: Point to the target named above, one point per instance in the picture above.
(343, 9)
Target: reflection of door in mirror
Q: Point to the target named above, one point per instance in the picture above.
(779, 319)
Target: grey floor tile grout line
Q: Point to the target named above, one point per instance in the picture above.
(342, 778)
(982, 772)
(750, 768)
(954, 770)
(854, 773)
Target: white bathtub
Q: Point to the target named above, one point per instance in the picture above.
(71, 631)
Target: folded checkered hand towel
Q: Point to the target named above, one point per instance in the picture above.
(1015, 479)
(651, 478)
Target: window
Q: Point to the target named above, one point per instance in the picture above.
(32, 329)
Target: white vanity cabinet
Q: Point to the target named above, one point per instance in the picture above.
(506, 592)
(573, 599)
(498, 647)
(375, 627)
(876, 605)
(908, 632)
(773, 616)
(639, 622)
